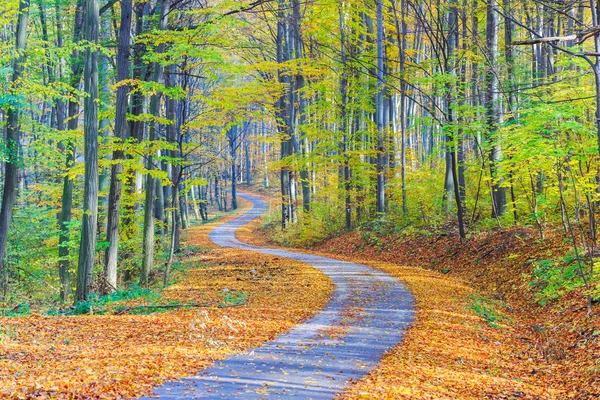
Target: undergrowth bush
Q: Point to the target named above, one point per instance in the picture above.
(101, 305)
(21, 310)
(551, 279)
(323, 221)
(489, 310)
(31, 256)
(233, 298)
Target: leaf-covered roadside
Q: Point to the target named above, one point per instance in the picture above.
(450, 352)
(122, 356)
(528, 350)
(479, 332)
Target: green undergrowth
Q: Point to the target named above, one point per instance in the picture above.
(312, 228)
(554, 278)
(109, 303)
(233, 299)
(18, 311)
(146, 300)
(47, 302)
(491, 311)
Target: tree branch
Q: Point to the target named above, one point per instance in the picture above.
(107, 6)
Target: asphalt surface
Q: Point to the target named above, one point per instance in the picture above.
(368, 314)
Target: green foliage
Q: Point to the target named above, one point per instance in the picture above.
(371, 239)
(232, 298)
(552, 279)
(101, 305)
(132, 292)
(21, 310)
(488, 310)
(31, 256)
(325, 219)
(93, 305)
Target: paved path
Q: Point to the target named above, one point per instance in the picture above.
(371, 310)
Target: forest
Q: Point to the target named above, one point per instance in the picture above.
(458, 137)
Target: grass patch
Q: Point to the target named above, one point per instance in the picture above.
(488, 310)
(233, 299)
(21, 310)
(104, 305)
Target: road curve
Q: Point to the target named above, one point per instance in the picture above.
(372, 309)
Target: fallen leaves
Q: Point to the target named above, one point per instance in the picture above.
(553, 345)
(451, 352)
(123, 356)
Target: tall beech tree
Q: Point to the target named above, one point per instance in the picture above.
(121, 133)
(72, 117)
(13, 157)
(87, 247)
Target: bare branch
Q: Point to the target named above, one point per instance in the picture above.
(552, 39)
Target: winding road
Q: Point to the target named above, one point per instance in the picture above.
(369, 313)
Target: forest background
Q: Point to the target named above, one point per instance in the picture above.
(123, 121)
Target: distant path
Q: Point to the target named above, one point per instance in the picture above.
(367, 316)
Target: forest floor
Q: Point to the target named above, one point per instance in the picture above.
(124, 356)
(368, 314)
(478, 334)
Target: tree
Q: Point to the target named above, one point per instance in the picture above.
(121, 132)
(65, 215)
(87, 247)
(493, 109)
(380, 112)
(11, 169)
(151, 181)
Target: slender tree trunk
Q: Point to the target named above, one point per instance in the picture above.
(450, 99)
(64, 217)
(283, 114)
(380, 111)
(300, 117)
(403, 120)
(175, 174)
(152, 187)
(11, 165)
(121, 133)
(344, 122)
(512, 99)
(87, 246)
(248, 161)
(493, 109)
(233, 138)
(264, 154)
(159, 206)
(174, 236)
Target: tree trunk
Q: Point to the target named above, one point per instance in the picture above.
(64, 217)
(87, 246)
(121, 133)
(493, 110)
(264, 154)
(248, 161)
(380, 112)
(344, 123)
(11, 165)
(194, 202)
(175, 174)
(451, 161)
(151, 182)
(233, 137)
